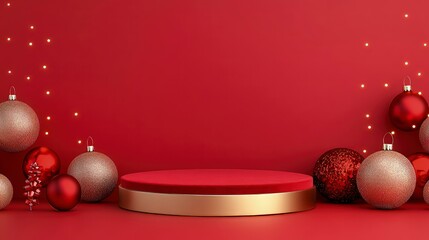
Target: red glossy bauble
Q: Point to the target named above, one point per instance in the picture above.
(420, 163)
(63, 192)
(46, 159)
(408, 110)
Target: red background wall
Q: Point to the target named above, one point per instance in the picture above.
(211, 84)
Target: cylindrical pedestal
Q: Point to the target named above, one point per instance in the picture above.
(217, 205)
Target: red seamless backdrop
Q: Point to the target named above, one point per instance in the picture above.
(211, 84)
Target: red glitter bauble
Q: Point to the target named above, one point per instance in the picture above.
(408, 110)
(46, 159)
(63, 192)
(335, 175)
(420, 163)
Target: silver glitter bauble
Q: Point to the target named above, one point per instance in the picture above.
(424, 135)
(6, 191)
(426, 192)
(19, 125)
(96, 174)
(386, 179)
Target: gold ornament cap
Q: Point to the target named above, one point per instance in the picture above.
(387, 146)
(90, 144)
(12, 94)
(407, 84)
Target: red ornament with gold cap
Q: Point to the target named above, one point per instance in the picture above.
(408, 110)
(386, 179)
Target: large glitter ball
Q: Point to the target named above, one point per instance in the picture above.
(424, 135)
(6, 191)
(19, 126)
(335, 175)
(386, 179)
(96, 174)
(426, 192)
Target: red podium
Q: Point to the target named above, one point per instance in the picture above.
(217, 192)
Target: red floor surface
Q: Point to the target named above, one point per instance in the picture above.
(107, 221)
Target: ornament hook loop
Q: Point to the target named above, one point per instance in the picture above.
(12, 93)
(407, 84)
(90, 144)
(388, 146)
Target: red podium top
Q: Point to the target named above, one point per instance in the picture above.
(216, 181)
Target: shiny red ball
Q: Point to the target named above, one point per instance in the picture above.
(408, 110)
(335, 175)
(420, 162)
(46, 159)
(63, 192)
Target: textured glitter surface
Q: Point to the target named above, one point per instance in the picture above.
(426, 192)
(335, 175)
(424, 135)
(6, 191)
(386, 179)
(96, 174)
(19, 126)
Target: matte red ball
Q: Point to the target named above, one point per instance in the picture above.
(46, 159)
(420, 162)
(335, 175)
(408, 110)
(63, 192)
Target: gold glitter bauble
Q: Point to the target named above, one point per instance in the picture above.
(386, 179)
(426, 192)
(19, 126)
(424, 135)
(6, 191)
(96, 174)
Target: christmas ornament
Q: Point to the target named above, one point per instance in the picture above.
(386, 179)
(6, 191)
(32, 186)
(424, 135)
(63, 192)
(420, 162)
(95, 172)
(335, 175)
(426, 193)
(47, 160)
(408, 110)
(19, 125)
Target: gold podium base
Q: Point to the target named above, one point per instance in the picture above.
(217, 205)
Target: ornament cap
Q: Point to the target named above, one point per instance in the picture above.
(387, 146)
(90, 144)
(12, 94)
(407, 84)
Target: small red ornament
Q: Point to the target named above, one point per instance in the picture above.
(408, 110)
(63, 192)
(47, 160)
(335, 175)
(420, 163)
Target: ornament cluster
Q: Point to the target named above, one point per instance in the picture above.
(385, 179)
(92, 176)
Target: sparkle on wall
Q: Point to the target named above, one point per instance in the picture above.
(48, 40)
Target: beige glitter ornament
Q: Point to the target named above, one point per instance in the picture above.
(386, 179)
(6, 191)
(426, 192)
(424, 134)
(19, 125)
(96, 174)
